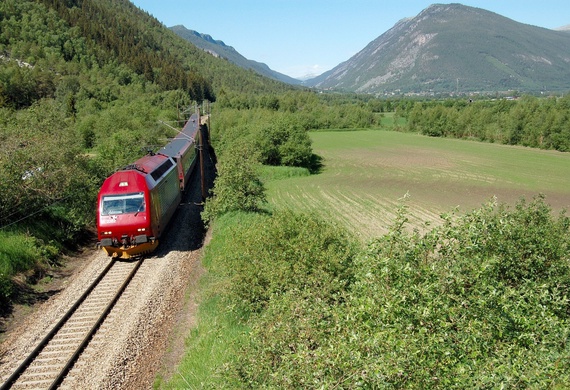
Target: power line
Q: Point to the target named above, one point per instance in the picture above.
(34, 213)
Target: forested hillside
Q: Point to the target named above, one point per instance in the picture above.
(220, 49)
(83, 86)
(64, 38)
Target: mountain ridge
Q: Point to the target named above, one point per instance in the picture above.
(446, 48)
(455, 48)
(219, 49)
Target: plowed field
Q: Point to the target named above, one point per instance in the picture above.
(366, 173)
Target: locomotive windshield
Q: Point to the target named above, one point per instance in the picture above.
(122, 204)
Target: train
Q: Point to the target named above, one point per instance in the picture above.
(136, 203)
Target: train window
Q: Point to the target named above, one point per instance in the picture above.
(161, 170)
(122, 204)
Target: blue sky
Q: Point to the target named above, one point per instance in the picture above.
(302, 37)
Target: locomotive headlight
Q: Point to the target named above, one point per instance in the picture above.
(107, 233)
(141, 229)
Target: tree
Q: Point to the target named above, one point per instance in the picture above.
(284, 142)
(237, 187)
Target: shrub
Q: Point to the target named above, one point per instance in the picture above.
(237, 186)
(289, 272)
(283, 141)
(480, 302)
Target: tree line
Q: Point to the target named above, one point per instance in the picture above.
(528, 121)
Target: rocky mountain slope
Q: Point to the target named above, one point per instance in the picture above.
(454, 48)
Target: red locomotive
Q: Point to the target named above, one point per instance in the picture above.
(136, 203)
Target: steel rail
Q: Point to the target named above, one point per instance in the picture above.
(45, 341)
(34, 354)
(71, 362)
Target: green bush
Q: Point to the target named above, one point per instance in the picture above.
(292, 343)
(283, 141)
(289, 272)
(286, 251)
(480, 302)
(237, 187)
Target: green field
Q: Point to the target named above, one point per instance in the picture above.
(366, 173)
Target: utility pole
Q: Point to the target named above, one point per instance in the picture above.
(202, 178)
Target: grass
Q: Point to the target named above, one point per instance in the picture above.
(16, 247)
(270, 173)
(207, 347)
(389, 120)
(209, 344)
(17, 253)
(366, 173)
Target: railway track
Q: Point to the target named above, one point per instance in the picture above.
(49, 365)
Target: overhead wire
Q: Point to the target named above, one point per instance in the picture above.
(34, 213)
(60, 200)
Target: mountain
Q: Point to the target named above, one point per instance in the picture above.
(220, 49)
(456, 48)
